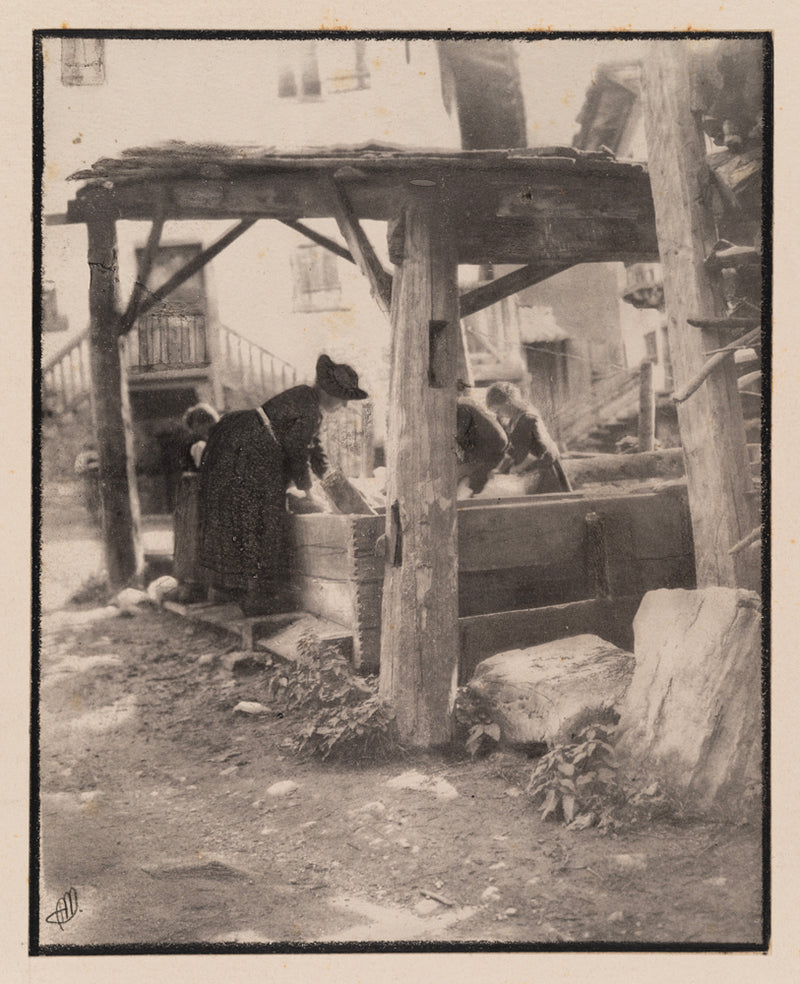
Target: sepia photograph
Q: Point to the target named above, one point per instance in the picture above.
(401, 492)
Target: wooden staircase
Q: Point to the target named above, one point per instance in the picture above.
(168, 347)
(612, 402)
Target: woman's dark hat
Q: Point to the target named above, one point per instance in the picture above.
(338, 379)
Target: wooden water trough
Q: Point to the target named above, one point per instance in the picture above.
(530, 569)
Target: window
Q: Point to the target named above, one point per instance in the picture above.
(344, 69)
(299, 79)
(83, 61)
(350, 72)
(316, 280)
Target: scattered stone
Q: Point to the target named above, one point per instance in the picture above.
(497, 866)
(229, 771)
(630, 862)
(547, 693)
(716, 882)
(156, 590)
(510, 912)
(426, 906)
(500, 837)
(444, 790)
(583, 821)
(129, 599)
(374, 808)
(250, 707)
(406, 845)
(206, 659)
(617, 916)
(309, 823)
(285, 788)
(90, 795)
(416, 780)
(409, 780)
(490, 894)
(513, 792)
(415, 849)
(268, 830)
(691, 718)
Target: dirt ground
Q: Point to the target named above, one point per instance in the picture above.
(154, 808)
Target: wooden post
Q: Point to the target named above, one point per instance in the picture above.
(647, 407)
(118, 492)
(419, 635)
(711, 424)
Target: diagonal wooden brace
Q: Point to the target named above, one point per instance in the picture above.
(361, 248)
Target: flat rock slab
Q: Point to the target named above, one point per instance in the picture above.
(282, 641)
(548, 693)
(214, 869)
(691, 718)
(229, 617)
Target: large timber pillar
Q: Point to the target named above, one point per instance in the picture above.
(119, 495)
(710, 420)
(419, 636)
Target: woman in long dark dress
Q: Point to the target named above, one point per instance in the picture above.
(528, 437)
(198, 422)
(251, 458)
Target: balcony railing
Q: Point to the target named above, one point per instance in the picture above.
(161, 341)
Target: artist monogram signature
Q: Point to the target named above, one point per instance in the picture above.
(66, 907)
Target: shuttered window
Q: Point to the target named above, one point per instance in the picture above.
(316, 280)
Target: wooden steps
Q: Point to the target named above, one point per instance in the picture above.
(277, 634)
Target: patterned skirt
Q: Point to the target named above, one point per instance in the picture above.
(244, 532)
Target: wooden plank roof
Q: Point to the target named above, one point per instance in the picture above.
(505, 206)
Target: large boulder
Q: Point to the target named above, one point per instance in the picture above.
(548, 693)
(692, 716)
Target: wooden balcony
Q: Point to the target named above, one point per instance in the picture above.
(162, 342)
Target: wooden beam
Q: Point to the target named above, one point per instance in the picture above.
(419, 623)
(118, 491)
(143, 274)
(497, 290)
(360, 247)
(195, 264)
(319, 239)
(485, 635)
(711, 424)
(647, 407)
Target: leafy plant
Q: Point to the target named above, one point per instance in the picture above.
(93, 591)
(474, 725)
(477, 734)
(577, 782)
(344, 716)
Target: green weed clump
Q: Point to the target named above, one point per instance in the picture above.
(343, 715)
(577, 782)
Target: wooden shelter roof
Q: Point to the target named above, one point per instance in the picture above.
(505, 206)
